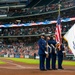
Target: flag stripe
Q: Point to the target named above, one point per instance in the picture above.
(58, 30)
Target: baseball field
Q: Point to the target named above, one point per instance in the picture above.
(22, 66)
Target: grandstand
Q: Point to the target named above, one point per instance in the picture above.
(21, 24)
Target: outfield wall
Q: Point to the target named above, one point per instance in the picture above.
(68, 56)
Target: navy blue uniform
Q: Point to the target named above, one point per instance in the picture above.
(53, 54)
(42, 55)
(48, 59)
(60, 57)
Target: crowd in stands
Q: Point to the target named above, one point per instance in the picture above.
(34, 30)
(41, 9)
(22, 47)
(18, 47)
(27, 46)
(47, 17)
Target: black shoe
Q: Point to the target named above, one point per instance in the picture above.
(61, 68)
(48, 69)
(43, 69)
(54, 69)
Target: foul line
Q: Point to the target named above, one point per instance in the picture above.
(16, 66)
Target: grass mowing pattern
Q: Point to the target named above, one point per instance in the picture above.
(35, 61)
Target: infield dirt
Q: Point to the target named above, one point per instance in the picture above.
(16, 68)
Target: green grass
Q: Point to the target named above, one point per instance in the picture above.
(28, 61)
(1, 62)
(35, 61)
(71, 63)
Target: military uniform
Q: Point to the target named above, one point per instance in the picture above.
(48, 58)
(41, 52)
(60, 57)
(52, 43)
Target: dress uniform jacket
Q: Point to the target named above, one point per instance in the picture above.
(41, 52)
(60, 57)
(53, 54)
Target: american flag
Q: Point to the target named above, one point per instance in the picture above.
(58, 30)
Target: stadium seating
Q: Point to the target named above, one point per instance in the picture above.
(50, 7)
(27, 36)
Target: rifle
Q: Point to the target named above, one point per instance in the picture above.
(47, 52)
(54, 48)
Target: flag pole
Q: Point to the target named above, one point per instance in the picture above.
(59, 8)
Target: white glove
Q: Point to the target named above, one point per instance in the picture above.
(46, 52)
(63, 51)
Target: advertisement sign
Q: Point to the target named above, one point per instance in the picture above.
(17, 56)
